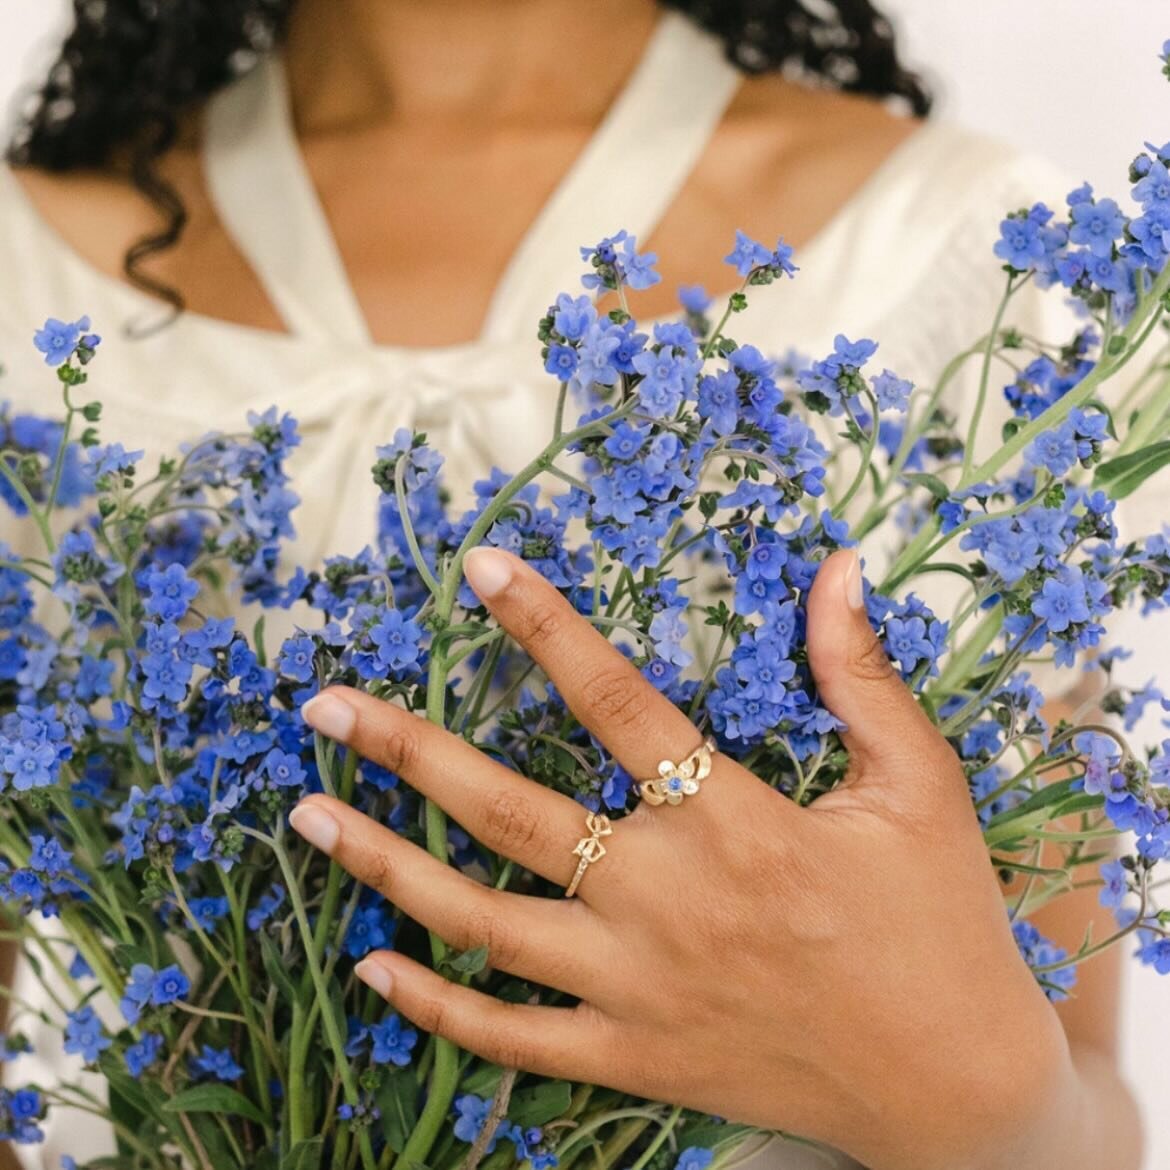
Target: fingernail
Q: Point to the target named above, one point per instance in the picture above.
(316, 826)
(854, 597)
(329, 715)
(488, 570)
(375, 976)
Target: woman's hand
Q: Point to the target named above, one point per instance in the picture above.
(845, 972)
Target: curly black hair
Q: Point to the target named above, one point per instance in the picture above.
(130, 69)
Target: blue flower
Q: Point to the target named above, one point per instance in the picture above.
(218, 1063)
(398, 639)
(850, 356)
(392, 1043)
(49, 856)
(1100, 757)
(20, 1110)
(265, 908)
(58, 339)
(138, 992)
(471, 1115)
(615, 262)
(296, 658)
(206, 912)
(747, 254)
(892, 392)
(1038, 951)
(694, 1158)
(284, 769)
(111, 459)
(573, 316)
(1062, 600)
(694, 299)
(1020, 244)
(561, 362)
(1096, 225)
(31, 763)
(170, 984)
(1153, 189)
(1116, 879)
(907, 642)
(142, 1055)
(84, 1036)
(169, 592)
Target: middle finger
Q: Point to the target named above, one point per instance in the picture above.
(558, 944)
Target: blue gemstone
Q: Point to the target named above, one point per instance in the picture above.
(675, 784)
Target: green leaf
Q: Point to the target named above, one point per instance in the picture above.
(707, 1134)
(482, 1080)
(932, 483)
(258, 641)
(397, 1100)
(1020, 867)
(466, 962)
(127, 954)
(540, 1104)
(304, 1155)
(127, 1101)
(1125, 474)
(1050, 794)
(275, 968)
(214, 1099)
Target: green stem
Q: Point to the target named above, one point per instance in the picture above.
(985, 377)
(332, 1029)
(663, 1133)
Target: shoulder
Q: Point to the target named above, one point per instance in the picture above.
(80, 225)
(814, 159)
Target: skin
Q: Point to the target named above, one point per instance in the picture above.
(394, 145)
(802, 986)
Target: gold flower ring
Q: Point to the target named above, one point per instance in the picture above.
(676, 781)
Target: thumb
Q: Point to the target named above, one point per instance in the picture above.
(854, 677)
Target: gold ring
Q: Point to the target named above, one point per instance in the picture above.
(674, 781)
(589, 849)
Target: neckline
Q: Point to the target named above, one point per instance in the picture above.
(138, 305)
(627, 174)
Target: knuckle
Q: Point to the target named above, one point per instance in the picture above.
(870, 663)
(377, 871)
(432, 1015)
(398, 750)
(511, 820)
(539, 623)
(482, 927)
(512, 1051)
(613, 695)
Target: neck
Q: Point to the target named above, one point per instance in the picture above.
(355, 63)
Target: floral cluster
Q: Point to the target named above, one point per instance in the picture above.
(151, 748)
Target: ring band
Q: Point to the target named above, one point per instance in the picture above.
(675, 781)
(589, 849)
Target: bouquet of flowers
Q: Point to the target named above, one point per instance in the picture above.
(199, 957)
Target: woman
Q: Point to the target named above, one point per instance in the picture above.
(366, 231)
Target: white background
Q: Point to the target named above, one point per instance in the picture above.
(1074, 79)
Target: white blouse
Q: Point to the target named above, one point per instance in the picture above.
(908, 261)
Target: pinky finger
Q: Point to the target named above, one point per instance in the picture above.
(549, 1041)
